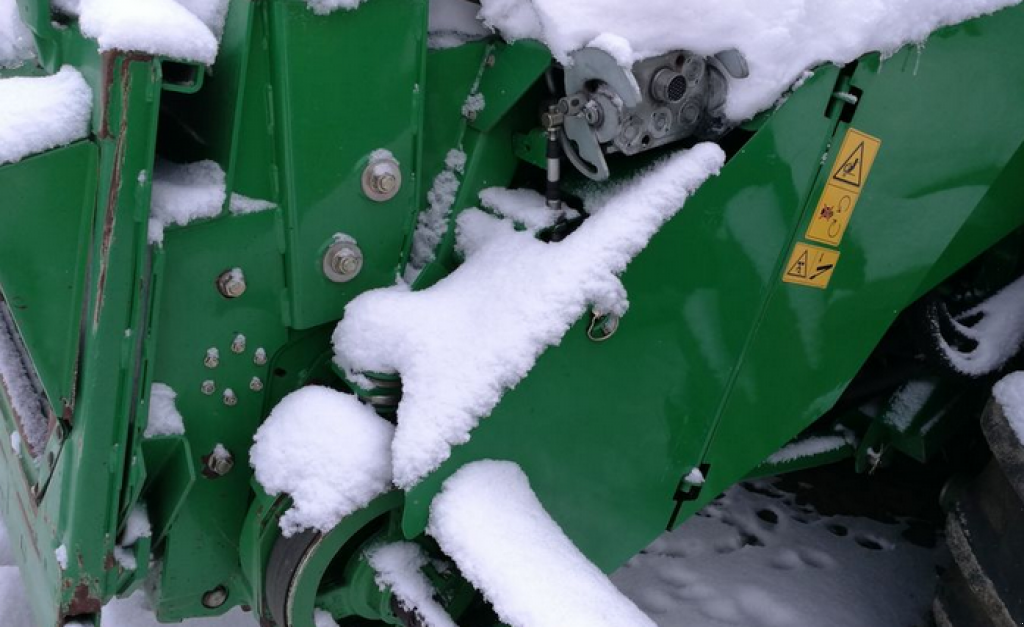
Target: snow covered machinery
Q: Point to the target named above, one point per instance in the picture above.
(183, 227)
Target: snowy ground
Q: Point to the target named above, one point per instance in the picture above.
(770, 553)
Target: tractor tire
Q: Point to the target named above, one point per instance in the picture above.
(985, 533)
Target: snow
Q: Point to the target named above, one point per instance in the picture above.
(16, 442)
(695, 477)
(26, 396)
(164, 418)
(326, 450)
(510, 549)
(61, 553)
(241, 205)
(780, 39)
(762, 557)
(454, 22)
(16, 44)
(158, 27)
(908, 401)
(399, 566)
(42, 113)
(474, 104)
(323, 619)
(1009, 393)
(461, 343)
(432, 223)
(525, 207)
(324, 7)
(183, 193)
(725, 561)
(997, 325)
(137, 526)
(808, 447)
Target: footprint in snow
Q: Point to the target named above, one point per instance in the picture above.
(873, 542)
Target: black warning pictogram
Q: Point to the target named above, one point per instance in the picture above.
(799, 269)
(851, 171)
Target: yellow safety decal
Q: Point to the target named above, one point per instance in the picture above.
(811, 266)
(847, 179)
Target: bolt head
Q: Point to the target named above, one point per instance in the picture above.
(385, 183)
(382, 179)
(229, 398)
(256, 384)
(220, 465)
(343, 261)
(238, 344)
(231, 284)
(208, 387)
(260, 357)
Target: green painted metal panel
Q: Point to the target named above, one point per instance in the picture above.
(605, 431)
(46, 211)
(327, 128)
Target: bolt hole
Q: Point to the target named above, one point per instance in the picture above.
(645, 141)
(280, 372)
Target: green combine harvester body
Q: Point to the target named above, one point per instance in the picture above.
(751, 322)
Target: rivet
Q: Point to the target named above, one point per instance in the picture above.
(208, 387)
(260, 357)
(255, 384)
(231, 284)
(212, 359)
(238, 344)
(229, 397)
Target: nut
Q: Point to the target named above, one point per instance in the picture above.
(343, 260)
(229, 398)
(382, 178)
(219, 462)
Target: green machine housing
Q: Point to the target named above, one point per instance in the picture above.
(719, 362)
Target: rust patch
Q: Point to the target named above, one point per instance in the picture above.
(109, 561)
(83, 603)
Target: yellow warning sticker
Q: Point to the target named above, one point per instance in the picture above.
(847, 179)
(811, 266)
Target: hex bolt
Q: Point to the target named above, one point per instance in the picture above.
(382, 177)
(238, 344)
(212, 359)
(219, 462)
(343, 260)
(208, 387)
(229, 397)
(231, 284)
(255, 384)
(260, 357)
(215, 598)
